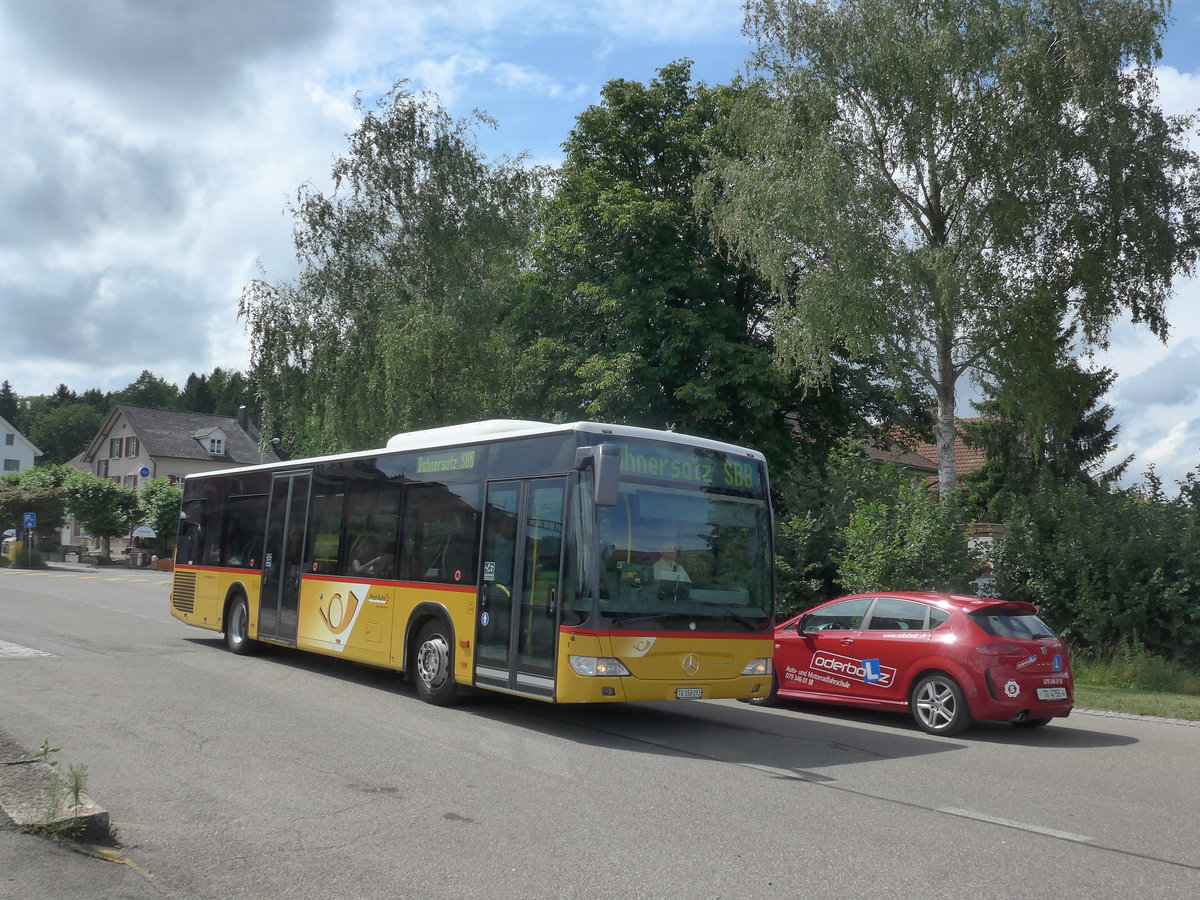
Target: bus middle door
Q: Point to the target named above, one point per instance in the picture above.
(287, 519)
(517, 625)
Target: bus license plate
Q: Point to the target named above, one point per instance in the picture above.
(689, 694)
(1059, 693)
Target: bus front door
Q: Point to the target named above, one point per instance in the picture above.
(287, 517)
(517, 622)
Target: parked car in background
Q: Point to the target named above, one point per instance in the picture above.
(946, 659)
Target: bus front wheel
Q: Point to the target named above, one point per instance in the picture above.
(237, 623)
(435, 665)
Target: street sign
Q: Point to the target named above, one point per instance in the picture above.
(30, 520)
(144, 472)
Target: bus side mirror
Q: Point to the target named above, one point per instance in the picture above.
(605, 463)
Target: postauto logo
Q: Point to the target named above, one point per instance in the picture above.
(849, 667)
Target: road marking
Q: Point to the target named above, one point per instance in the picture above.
(16, 651)
(1021, 826)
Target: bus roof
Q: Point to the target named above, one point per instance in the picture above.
(496, 430)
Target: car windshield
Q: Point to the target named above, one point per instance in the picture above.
(1029, 627)
(685, 559)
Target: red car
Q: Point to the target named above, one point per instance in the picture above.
(945, 658)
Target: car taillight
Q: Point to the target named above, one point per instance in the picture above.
(1001, 648)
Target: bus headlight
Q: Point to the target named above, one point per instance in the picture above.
(597, 665)
(757, 667)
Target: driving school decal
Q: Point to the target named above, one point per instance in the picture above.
(869, 671)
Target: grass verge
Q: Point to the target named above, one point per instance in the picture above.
(1138, 703)
(1129, 679)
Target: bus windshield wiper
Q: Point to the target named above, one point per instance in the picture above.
(662, 614)
(728, 610)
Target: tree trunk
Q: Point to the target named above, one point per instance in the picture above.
(943, 437)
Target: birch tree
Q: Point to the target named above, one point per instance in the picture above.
(929, 177)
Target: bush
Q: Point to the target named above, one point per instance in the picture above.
(1130, 666)
(1104, 565)
(908, 542)
(29, 559)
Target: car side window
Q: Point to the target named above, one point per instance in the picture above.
(894, 614)
(843, 616)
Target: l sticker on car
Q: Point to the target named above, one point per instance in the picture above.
(852, 668)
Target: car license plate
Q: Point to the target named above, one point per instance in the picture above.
(689, 694)
(1059, 693)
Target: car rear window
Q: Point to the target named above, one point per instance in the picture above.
(1008, 626)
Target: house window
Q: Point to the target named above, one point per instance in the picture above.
(114, 448)
(131, 480)
(216, 446)
(102, 468)
(172, 479)
(10, 438)
(131, 446)
(12, 465)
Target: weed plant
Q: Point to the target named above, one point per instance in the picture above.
(1130, 666)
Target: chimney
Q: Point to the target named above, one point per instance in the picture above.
(243, 418)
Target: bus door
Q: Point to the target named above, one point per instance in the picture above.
(287, 517)
(517, 622)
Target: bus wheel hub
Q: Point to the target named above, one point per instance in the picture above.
(433, 661)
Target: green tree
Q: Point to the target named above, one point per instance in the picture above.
(196, 395)
(1045, 418)
(407, 271)
(96, 399)
(640, 317)
(150, 391)
(9, 405)
(232, 389)
(158, 507)
(39, 491)
(637, 314)
(62, 396)
(103, 507)
(63, 432)
(927, 176)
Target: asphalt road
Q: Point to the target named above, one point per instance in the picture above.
(280, 774)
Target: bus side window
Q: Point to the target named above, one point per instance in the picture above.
(241, 542)
(370, 545)
(441, 532)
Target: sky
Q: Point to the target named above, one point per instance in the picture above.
(150, 147)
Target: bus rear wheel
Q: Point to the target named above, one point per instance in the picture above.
(237, 623)
(435, 665)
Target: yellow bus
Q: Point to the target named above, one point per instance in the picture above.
(574, 563)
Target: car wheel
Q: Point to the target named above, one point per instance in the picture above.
(1032, 723)
(938, 705)
(435, 665)
(237, 623)
(768, 699)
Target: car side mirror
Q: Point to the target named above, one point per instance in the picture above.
(802, 624)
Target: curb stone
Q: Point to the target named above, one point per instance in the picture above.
(26, 784)
(1161, 720)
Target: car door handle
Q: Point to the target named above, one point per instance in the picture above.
(846, 642)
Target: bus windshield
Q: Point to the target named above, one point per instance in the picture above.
(684, 559)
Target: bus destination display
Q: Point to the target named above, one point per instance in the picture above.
(712, 470)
